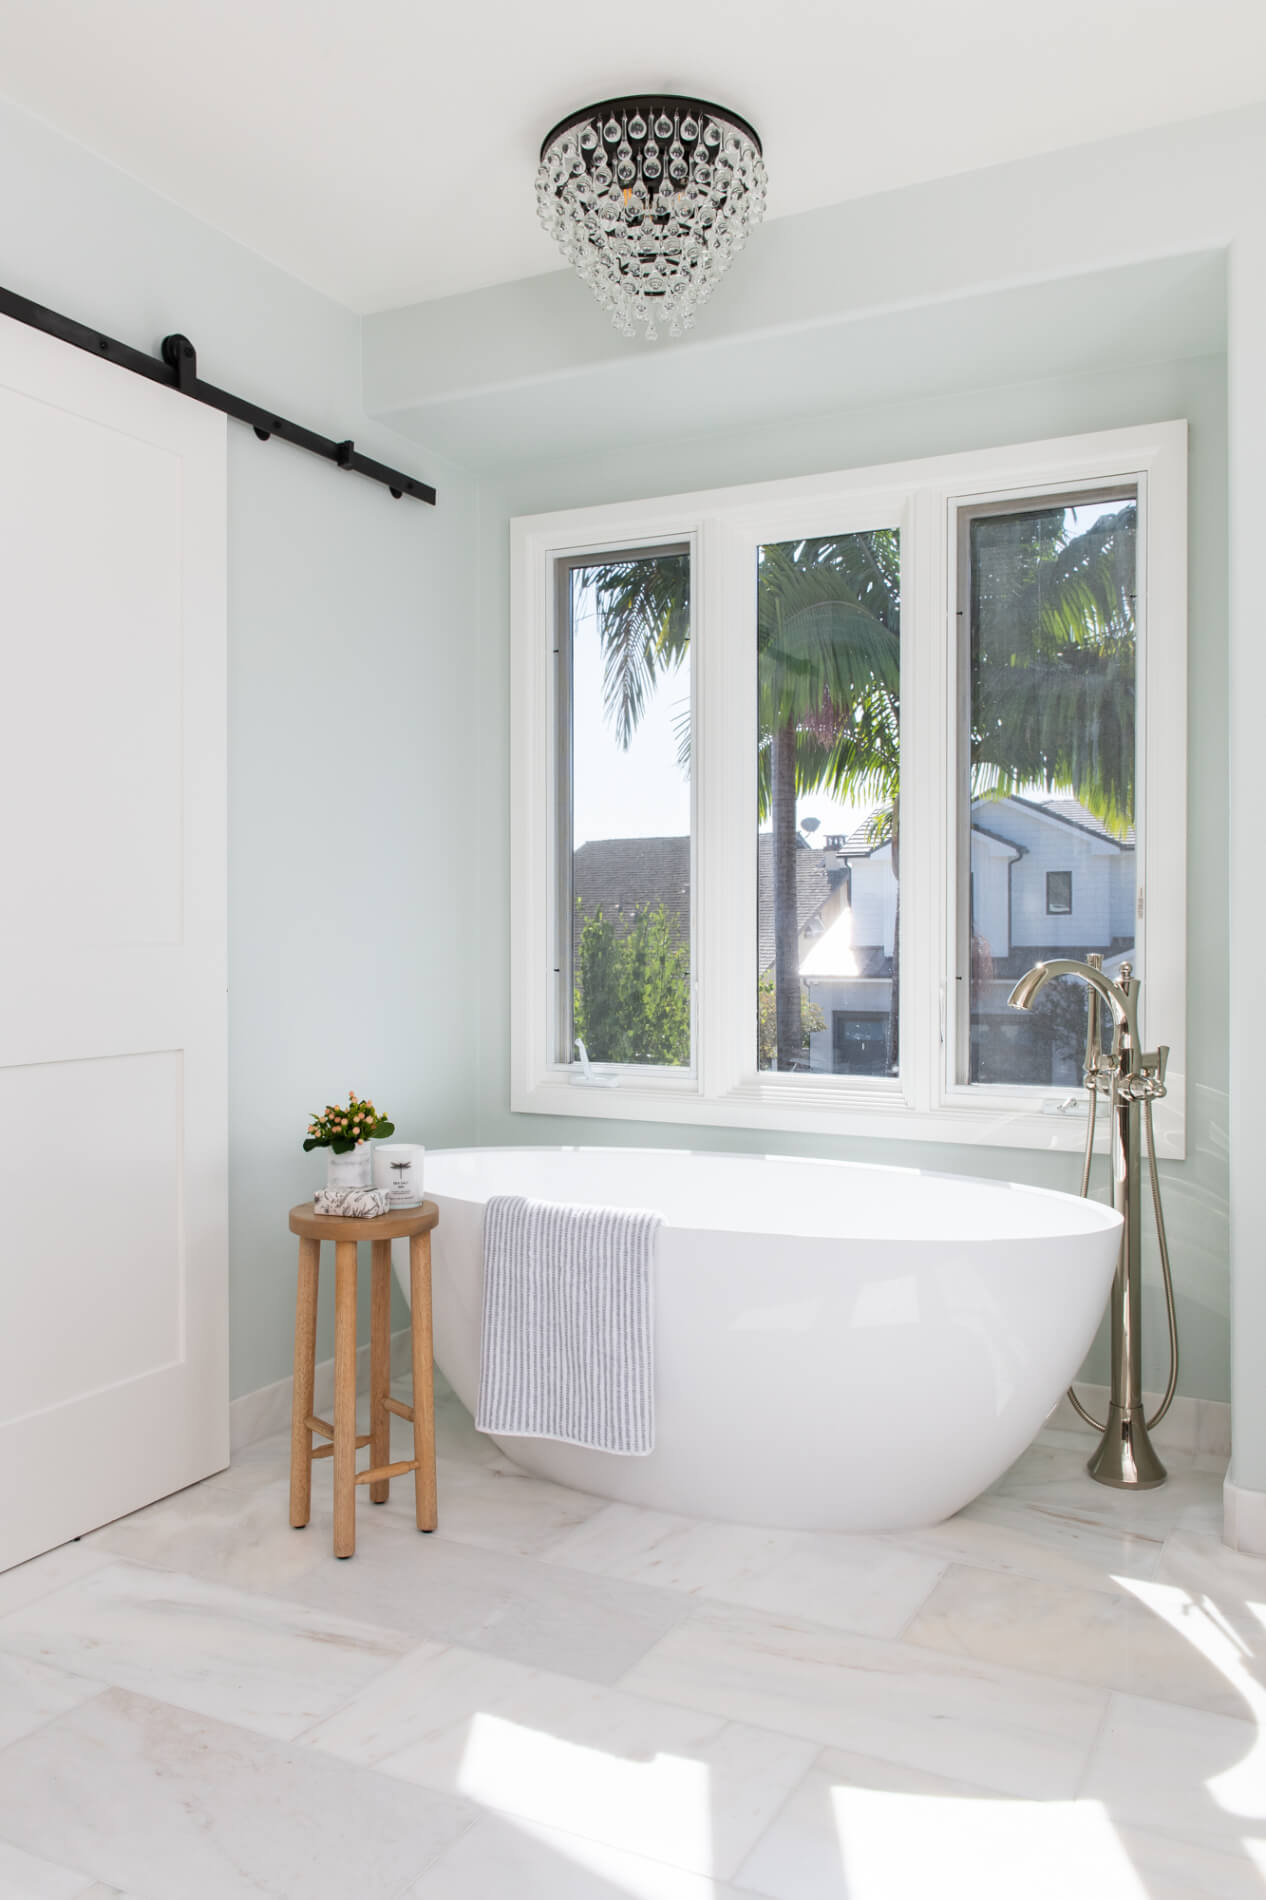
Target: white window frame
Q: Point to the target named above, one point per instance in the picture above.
(724, 528)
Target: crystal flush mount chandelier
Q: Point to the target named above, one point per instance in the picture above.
(651, 198)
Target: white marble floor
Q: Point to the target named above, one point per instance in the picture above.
(1061, 1691)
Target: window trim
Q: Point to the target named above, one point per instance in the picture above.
(724, 526)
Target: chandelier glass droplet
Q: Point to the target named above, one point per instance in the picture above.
(650, 199)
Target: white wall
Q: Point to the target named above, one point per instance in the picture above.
(349, 618)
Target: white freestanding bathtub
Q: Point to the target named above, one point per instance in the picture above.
(837, 1346)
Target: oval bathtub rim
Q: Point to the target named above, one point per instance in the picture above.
(1102, 1218)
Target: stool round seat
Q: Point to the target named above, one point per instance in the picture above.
(401, 1224)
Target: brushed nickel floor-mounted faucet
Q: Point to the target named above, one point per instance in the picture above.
(1131, 1080)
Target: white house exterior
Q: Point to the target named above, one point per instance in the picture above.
(1047, 879)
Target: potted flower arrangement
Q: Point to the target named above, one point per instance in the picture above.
(347, 1132)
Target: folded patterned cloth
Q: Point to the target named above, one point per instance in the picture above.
(356, 1203)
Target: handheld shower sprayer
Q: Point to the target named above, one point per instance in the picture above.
(1131, 1079)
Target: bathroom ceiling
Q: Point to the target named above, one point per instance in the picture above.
(385, 152)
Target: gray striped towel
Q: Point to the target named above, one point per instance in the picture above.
(567, 1324)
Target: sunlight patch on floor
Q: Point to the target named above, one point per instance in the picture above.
(895, 1845)
(587, 1791)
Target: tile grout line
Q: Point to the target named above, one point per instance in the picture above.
(815, 1767)
(903, 1634)
(1095, 1739)
(99, 1689)
(94, 1880)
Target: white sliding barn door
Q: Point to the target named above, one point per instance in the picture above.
(113, 1231)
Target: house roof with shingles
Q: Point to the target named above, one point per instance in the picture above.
(861, 841)
(1070, 812)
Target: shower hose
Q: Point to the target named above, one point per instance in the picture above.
(1163, 1241)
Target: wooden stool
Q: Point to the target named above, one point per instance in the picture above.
(413, 1224)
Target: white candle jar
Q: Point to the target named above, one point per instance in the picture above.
(398, 1169)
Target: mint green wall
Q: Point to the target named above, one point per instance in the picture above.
(1194, 388)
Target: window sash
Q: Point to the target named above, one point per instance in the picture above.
(963, 513)
(562, 1017)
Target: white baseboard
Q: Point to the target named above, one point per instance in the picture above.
(1192, 1425)
(1244, 1519)
(259, 1414)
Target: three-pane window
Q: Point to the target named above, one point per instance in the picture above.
(805, 777)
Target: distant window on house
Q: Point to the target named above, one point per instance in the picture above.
(859, 1042)
(1059, 893)
(624, 807)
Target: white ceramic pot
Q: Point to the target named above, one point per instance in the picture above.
(352, 1170)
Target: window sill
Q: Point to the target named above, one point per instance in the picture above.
(796, 1107)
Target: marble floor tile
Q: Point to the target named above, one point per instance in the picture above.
(1183, 1774)
(27, 1877)
(1009, 1732)
(997, 1533)
(1054, 1478)
(450, 1592)
(499, 1507)
(1227, 1584)
(511, 1860)
(1123, 1642)
(867, 1584)
(160, 1802)
(861, 1830)
(37, 1578)
(674, 1784)
(31, 1693)
(269, 1665)
(239, 1536)
(450, 1589)
(1059, 1691)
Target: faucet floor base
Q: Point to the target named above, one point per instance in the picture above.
(1126, 1457)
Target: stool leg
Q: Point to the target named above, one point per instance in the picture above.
(380, 1369)
(423, 1380)
(344, 1398)
(305, 1369)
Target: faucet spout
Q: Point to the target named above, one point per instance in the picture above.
(1118, 996)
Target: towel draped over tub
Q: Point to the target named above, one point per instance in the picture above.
(567, 1346)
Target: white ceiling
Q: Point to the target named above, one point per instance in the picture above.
(384, 151)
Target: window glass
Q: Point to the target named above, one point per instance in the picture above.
(624, 928)
(1047, 853)
(828, 755)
